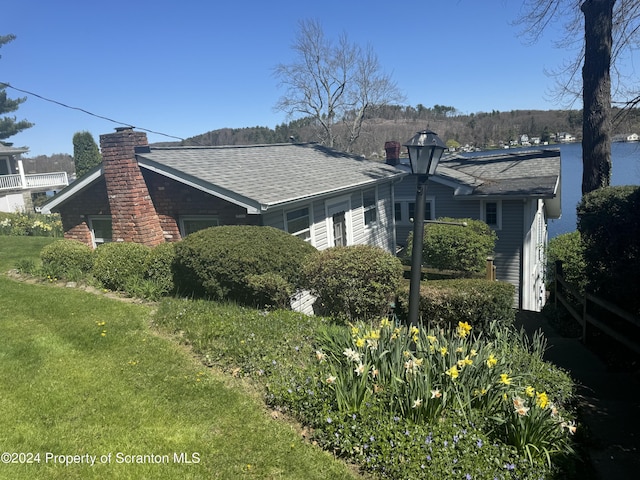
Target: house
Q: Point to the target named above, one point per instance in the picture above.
(626, 137)
(16, 187)
(152, 195)
(515, 192)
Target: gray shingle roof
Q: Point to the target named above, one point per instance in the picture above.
(520, 173)
(267, 175)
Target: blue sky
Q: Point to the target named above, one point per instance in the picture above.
(184, 68)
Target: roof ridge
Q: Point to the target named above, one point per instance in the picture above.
(221, 147)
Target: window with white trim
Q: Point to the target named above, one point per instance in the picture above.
(298, 223)
(192, 223)
(491, 213)
(101, 229)
(370, 207)
(428, 210)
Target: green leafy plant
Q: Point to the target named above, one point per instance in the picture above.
(217, 262)
(454, 247)
(30, 224)
(68, 259)
(568, 249)
(479, 302)
(119, 264)
(612, 253)
(358, 281)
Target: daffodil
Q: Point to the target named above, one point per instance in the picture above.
(492, 361)
(436, 393)
(360, 369)
(385, 322)
(320, 356)
(529, 391)
(463, 329)
(352, 355)
(360, 342)
(443, 351)
(504, 379)
(432, 339)
(542, 400)
(417, 403)
(453, 372)
(331, 379)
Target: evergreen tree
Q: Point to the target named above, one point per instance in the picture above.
(9, 126)
(86, 154)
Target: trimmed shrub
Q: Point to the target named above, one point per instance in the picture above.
(568, 249)
(158, 268)
(118, 265)
(66, 259)
(358, 281)
(454, 247)
(270, 290)
(478, 302)
(217, 262)
(610, 231)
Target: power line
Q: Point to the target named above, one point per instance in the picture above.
(7, 85)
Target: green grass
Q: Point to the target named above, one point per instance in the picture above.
(67, 389)
(13, 249)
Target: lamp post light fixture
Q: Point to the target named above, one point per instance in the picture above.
(425, 149)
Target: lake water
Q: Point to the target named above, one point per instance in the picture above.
(625, 170)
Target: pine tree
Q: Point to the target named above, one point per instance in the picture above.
(86, 153)
(9, 126)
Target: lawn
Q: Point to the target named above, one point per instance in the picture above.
(85, 375)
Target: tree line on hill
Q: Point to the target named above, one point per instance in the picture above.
(483, 130)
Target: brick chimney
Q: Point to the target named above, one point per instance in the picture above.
(393, 152)
(133, 215)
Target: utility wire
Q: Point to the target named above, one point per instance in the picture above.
(7, 85)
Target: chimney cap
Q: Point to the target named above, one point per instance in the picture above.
(124, 129)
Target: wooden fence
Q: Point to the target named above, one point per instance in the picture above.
(569, 296)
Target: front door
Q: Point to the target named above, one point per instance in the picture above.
(339, 230)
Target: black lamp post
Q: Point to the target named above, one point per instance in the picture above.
(425, 149)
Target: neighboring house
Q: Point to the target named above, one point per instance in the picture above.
(16, 187)
(626, 137)
(152, 195)
(515, 192)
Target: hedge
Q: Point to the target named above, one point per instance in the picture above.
(230, 262)
(354, 282)
(475, 301)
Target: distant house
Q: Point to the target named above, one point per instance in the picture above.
(515, 192)
(152, 195)
(565, 137)
(17, 187)
(626, 137)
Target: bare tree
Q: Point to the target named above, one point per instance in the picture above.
(335, 83)
(610, 30)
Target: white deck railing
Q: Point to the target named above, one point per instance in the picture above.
(39, 180)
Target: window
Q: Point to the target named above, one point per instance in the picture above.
(369, 206)
(492, 214)
(193, 223)
(398, 211)
(298, 223)
(100, 230)
(428, 211)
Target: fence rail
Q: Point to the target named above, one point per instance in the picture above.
(565, 292)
